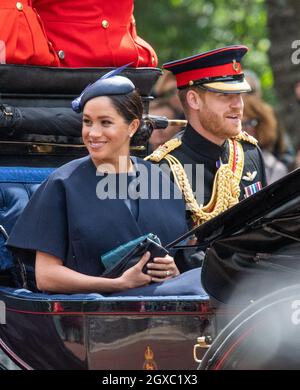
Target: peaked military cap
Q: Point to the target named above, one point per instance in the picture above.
(216, 70)
(109, 84)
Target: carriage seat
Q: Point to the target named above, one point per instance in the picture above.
(17, 184)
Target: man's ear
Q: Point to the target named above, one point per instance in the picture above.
(193, 100)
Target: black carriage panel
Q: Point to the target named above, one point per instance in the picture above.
(38, 126)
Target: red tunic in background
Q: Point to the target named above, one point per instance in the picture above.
(93, 33)
(72, 33)
(22, 37)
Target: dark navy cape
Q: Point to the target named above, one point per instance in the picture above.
(66, 219)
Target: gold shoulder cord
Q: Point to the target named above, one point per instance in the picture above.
(244, 136)
(163, 150)
(226, 190)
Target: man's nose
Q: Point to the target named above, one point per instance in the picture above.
(237, 101)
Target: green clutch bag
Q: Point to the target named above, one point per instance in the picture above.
(118, 260)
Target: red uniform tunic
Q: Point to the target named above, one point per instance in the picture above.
(83, 33)
(94, 33)
(22, 36)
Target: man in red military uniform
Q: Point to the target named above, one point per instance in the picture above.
(67, 34)
(94, 33)
(73, 33)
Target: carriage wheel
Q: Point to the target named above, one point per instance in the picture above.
(266, 335)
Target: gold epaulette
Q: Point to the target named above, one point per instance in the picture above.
(163, 150)
(244, 136)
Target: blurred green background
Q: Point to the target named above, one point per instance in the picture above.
(180, 28)
(270, 28)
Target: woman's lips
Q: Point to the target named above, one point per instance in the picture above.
(96, 145)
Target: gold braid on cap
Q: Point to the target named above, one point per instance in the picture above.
(226, 190)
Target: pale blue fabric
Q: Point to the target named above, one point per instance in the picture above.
(188, 283)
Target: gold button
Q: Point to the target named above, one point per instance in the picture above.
(61, 54)
(19, 6)
(105, 23)
(191, 82)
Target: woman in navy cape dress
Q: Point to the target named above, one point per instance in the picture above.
(69, 223)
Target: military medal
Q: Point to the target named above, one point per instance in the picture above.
(219, 163)
(252, 189)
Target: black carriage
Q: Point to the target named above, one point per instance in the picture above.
(78, 331)
(259, 238)
(251, 272)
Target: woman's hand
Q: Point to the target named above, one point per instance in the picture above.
(162, 268)
(134, 276)
(159, 270)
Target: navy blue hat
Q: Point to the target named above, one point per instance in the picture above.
(109, 84)
(216, 70)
